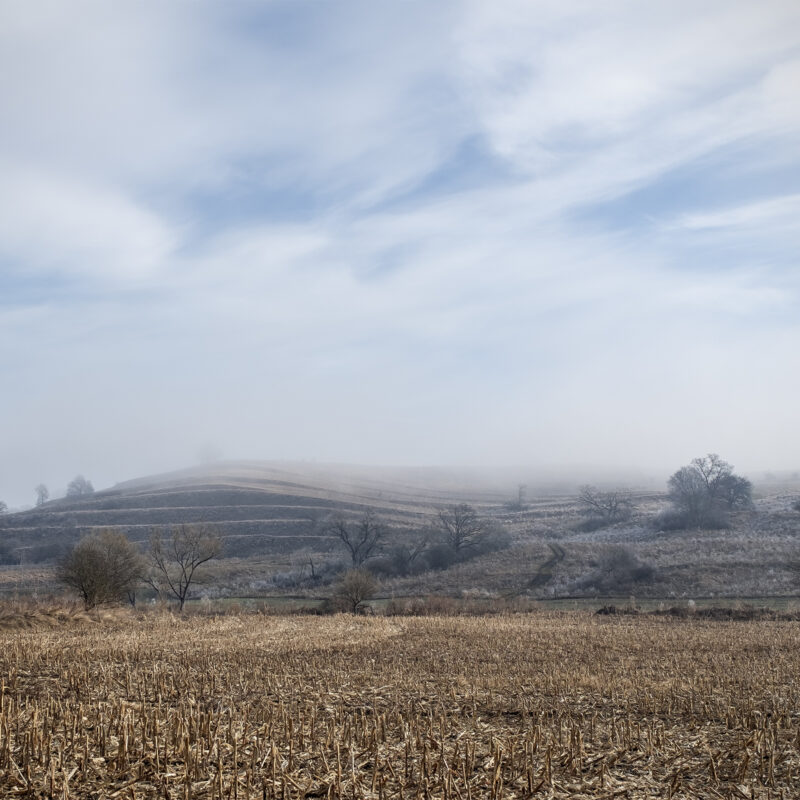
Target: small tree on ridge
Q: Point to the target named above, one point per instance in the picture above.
(79, 486)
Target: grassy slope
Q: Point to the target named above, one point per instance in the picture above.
(271, 518)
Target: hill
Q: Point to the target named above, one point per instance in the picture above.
(259, 508)
(272, 519)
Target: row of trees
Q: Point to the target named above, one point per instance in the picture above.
(457, 533)
(77, 487)
(105, 567)
(703, 494)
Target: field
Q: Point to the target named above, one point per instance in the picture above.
(549, 705)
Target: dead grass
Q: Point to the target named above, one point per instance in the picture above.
(23, 613)
(543, 705)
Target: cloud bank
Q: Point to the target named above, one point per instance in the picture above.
(467, 233)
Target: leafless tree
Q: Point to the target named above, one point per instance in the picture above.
(361, 537)
(79, 486)
(705, 489)
(610, 506)
(357, 586)
(102, 567)
(176, 557)
(462, 528)
(3, 507)
(42, 494)
(406, 555)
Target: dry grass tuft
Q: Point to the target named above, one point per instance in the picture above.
(32, 614)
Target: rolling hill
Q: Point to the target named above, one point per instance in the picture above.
(272, 519)
(259, 508)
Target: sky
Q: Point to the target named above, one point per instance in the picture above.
(406, 233)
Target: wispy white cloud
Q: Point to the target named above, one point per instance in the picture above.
(64, 224)
(778, 211)
(232, 223)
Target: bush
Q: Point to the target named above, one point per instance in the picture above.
(618, 571)
(432, 605)
(498, 538)
(102, 568)
(591, 524)
(357, 586)
(440, 556)
(676, 519)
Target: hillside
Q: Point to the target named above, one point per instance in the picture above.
(259, 508)
(272, 518)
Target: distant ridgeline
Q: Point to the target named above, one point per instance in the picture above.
(256, 510)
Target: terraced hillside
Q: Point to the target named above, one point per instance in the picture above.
(258, 508)
(272, 519)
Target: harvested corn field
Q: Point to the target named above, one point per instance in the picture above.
(543, 705)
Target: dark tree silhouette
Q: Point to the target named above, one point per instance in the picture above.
(462, 528)
(705, 490)
(361, 537)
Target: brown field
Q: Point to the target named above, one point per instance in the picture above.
(535, 705)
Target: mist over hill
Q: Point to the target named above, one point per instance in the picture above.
(274, 522)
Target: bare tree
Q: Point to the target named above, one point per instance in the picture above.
(176, 559)
(405, 556)
(357, 586)
(463, 529)
(3, 507)
(361, 537)
(42, 494)
(704, 490)
(610, 506)
(102, 567)
(79, 486)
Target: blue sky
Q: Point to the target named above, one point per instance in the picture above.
(459, 233)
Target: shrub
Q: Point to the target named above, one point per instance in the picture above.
(618, 571)
(440, 556)
(676, 519)
(591, 524)
(102, 567)
(357, 586)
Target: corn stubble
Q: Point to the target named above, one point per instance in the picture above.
(546, 706)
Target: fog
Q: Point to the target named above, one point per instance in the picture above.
(491, 235)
